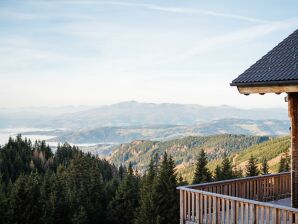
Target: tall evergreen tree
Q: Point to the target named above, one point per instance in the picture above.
(217, 173)
(226, 169)
(83, 182)
(80, 216)
(284, 164)
(265, 166)
(146, 213)
(202, 173)
(252, 167)
(25, 199)
(166, 200)
(121, 172)
(57, 206)
(4, 205)
(123, 206)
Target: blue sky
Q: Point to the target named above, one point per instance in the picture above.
(55, 53)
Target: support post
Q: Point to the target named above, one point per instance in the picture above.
(293, 114)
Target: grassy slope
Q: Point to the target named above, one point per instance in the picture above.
(272, 150)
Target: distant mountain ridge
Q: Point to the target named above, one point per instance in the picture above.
(135, 114)
(117, 135)
(131, 113)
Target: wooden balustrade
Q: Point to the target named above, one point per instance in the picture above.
(238, 201)
(260, 188)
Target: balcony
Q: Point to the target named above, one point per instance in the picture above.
(262, 200)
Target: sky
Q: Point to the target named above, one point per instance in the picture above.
(56, 53)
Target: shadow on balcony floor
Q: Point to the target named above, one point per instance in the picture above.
(282, 202)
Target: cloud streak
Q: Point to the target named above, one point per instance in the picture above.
(180, 10)
(231, 39)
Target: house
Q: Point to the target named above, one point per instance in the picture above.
(250, 200)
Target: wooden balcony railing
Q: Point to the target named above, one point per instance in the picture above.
(238, 201)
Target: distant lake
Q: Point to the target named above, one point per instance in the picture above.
(13, 132)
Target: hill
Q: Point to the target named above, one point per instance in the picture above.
(271, 150)
(184, 150)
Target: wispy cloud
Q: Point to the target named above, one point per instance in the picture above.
(181, 10)
(241, 36)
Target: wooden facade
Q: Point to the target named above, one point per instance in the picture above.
(246, 200)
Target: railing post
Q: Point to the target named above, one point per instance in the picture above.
(233, 212)
(181, 207)
(214, 210)
(252, 214)
(192, 217)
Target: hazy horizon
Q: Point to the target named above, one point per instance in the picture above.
(83, 107)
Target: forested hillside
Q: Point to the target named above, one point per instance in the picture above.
(272, 150)
(70, 187)
(184, 150)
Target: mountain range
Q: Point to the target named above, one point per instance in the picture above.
(117, 135)
(128, 121)
(130, 113)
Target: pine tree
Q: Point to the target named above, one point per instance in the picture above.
(202, 173)
(123, 205)
(25, 200)
(252, 167)
(46, 191)
(83, 183)
(146, 213)
(121, 172)
(265, 166)
(4, 205)
(166, 200)
(287, 161)
(80, 216)
(284, 164)
(217, 173)
(59, 211)
(226, 169)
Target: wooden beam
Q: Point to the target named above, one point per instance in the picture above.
(293, 114)
(268, 89)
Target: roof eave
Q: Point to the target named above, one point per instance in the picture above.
(265, 83)
(262, 89)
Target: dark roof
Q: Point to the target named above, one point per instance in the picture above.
(278, 67)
